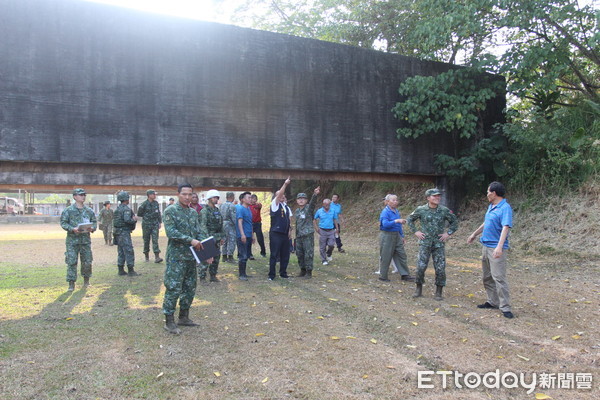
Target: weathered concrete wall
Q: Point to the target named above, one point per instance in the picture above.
(85, 82)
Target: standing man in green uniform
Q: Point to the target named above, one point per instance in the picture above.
(78, 241)
(105, 219)
(123, 224)
(182, 226)
(305, 232)
(229, 224)
(432, 235)
(211, 224)
(149, 210)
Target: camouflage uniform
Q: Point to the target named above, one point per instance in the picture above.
(229, 222)
(123, 224)
(181, 226)
(433, 223)
(211, 224)
(78, 244)
(150, 212)
(305, 234)
(105, 219)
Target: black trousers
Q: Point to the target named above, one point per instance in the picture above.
(260, 238)
(280, 248)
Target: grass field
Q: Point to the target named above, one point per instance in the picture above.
(341, 335)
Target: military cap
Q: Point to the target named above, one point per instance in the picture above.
(432, 192)
(171, 199)
(301, 196)
(78, 191)
(150, 191)
(106, 202)
(123, 196)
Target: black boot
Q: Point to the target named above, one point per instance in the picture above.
(170, 325)
(302, 272)
(131, 271)
(71, 286)
(308, 274)
(242, 270)
(213, 278)
(418, 291)
(438, 293)
(86, 281)
(230, 259)
(184, 318)
(122, 270)
(157, 258)
(225, 259)
(147, 256)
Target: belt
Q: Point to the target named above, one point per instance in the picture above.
(327, 229)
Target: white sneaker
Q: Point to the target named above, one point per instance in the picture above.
(325, 263)
(329, 258)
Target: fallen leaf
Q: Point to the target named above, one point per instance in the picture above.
(217, 374)
(68, 319)
(436, 310)
(410, 346)
(320, 317)
(455, 305)
(390, 367)
(225, 312)
(574, 301)
(464, 340)
(265, 380)
(350, 337)
(374, 341)
(226, 328)
(419, 356)
(259, 334)
(415, 323)
(470, 295)
(500, 356)
(522, 358)
(556, 337)
(541, 396)
(287, 321)
(334, 338)
(159, 375)
(365, 376)
(333, 299)
(576, 337)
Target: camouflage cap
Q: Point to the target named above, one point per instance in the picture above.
(432, 192)
(150, 191)
(106, 202)
(79, 191)
(301, 196)
(123, 196)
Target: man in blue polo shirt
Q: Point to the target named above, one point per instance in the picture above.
(391, 240)
(326, 227)
(243, 227)
(495, 228)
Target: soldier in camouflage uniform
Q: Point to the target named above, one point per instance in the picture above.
(432, 238)
(305, 232)
(123, 223)
(211, 224)
(229, 223)
(78, 241)
(149, 210)
(105, 219)
(183, 230)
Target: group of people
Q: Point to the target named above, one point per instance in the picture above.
(433, 224)
(187, 224)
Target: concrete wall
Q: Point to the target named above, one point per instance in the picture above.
(85, 82)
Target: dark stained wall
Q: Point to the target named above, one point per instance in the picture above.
(85, 82)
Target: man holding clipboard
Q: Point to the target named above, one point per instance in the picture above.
(183, 230)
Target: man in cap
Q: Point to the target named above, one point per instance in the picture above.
(183, 230)
(391, 240)
(211, 224)
(171, 201)
(495, 229)
(105, 219)
(305, 232)
(437, 223)
(229, 227)
(149, 210)
(78, 241)
(123, 223)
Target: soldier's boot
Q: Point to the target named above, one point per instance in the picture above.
(71, 286)
(418, 290)
(86, 281)
(184, 318)
(302, 272)
(438, 293)
(157, 258)
(202, 277)
(213, 278)
(308, 274)
(230, 259)
(147, 256)
(122, 270)
(242, 270)
(170, 325)
(131, 271)
(225, 259)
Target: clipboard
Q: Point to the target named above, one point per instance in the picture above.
(210, 250)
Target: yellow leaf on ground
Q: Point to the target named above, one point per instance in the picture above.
(350, 337)
(265, 380)
(415, 323)
(574, 301)
(320, 317)
(159, 375)
(365, 376)
(464, 340)
(541, 396)
(68, 319)
(334, 338)
(500, 356)
(455, 305)
(436, 310)
(576, 337)
(419, 356)
(410, 346)
(333, 299)
(556, 337)
(217, 374)
(226, 328)
(390, 367)
(374, 341)
(287, 321)
(470, 295)
(522, 358)
(259, 334)
(225, 312)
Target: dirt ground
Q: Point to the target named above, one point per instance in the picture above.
(342, 335)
